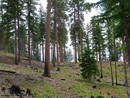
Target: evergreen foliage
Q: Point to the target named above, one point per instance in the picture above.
(89, 65)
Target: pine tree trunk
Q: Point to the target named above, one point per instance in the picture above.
(16, 60)
(3, 42)
(111, 67)
(23, 48)
(64, 54)
(29, 57)
(115, 60)
(126, 34)
(43, 51)
(75, 38)
(58, 67)
(47, 51)
(61, 54)
(55, 30)
(19, 49)
(100, 61)
(81, 46)
(124, 57)
(8, 44)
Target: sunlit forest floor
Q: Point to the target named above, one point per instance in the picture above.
(66, 83)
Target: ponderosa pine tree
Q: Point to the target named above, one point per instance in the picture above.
(60, 16)
(47, 51)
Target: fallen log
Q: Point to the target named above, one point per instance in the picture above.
(8, 71)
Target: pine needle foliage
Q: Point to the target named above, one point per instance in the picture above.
(89, 65)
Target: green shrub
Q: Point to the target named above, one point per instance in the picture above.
(89, 65)
(100, 96)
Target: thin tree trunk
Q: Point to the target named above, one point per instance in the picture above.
(29, 57)
(64, 54)
(126, 34)
(8, 44)
(16, 60)
(124, 57)
(55, 30)
(47, 51)
(100, 61)
(3, 42)
(58, 67)
(23, 48)
(115, 60)
(75, 38)
(81, 46)
(43, 51)
(18, 38)
(111, 67)
(61, 54)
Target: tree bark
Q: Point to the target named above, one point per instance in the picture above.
(125, 69)
(47, 51)
(29, 57)
(100, 61)
(16, 60)
(64, 54)
(75, 38)
(61, 54)
(81, 46)
(55, 30)
(58, 67)
(111, 67)
(43, 50)
(115, 59)
(19, 49)
(8, 44)
(126, 34)
(3, 42)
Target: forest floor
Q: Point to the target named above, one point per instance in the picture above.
(66, 83)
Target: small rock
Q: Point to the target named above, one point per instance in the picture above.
(77, 74)
(62, 79)
(69, 88)
(28, 92)
(98, 80)
(108, 93)
(36, 69)
(3, 89)
(15, 90)
(94, 86)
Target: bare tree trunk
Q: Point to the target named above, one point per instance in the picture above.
(43, 51)
(100, 61)
(23, 48)
(64, 54)
(61, 54)
(3, 42)
(124, 57)
(81, 46)
(115, 60)
(29, 57)
(111, 67)
(18, 35)
(47, 51)
(8, 44)
(58, 67)
(55, 30)
(75, 38)
(16, 60)
(126, 34)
